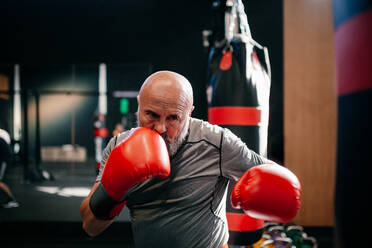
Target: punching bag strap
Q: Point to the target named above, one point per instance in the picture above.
(246, 36)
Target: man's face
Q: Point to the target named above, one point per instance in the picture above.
(167, 115)
(167, 121)
(172, 128)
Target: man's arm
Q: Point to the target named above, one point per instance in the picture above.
(91, 225)
(141, 156)
(237, 158)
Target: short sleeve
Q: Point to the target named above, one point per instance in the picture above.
(106, 152)
(236, 157)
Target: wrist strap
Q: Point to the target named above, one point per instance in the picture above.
(101, 204)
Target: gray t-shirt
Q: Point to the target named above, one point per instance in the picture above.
(188, 208)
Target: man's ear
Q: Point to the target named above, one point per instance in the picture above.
(192, 108)
(138, 99)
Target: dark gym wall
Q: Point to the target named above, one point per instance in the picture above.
(165, 34)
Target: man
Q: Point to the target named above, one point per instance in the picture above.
(175, 200)
(5, 159)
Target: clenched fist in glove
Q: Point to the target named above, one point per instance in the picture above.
(142, 155)
(269, 192)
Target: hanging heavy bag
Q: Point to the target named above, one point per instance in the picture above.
(238, 89)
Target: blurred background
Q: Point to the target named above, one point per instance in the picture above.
(59, 46)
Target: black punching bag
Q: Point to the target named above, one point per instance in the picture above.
(238, 89)
(353, 46)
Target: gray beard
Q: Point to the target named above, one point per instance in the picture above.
(177, 143)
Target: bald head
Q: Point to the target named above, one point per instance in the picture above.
(168, 86)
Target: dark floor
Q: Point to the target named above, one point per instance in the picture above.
(48, 215)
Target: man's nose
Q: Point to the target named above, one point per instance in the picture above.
(160, 127)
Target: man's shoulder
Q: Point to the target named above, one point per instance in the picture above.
(203, 130)
(121, 136)
(5, 136)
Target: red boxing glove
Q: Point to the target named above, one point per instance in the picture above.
(269, 192)
(142, 155)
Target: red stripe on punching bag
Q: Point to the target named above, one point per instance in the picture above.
(353, 41)
(227, 115)
(242, 222)
(101, 132)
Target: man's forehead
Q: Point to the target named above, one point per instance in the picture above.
(164, 98)
(159, 106)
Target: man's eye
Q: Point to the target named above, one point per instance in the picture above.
(173, 117)
(152, 114)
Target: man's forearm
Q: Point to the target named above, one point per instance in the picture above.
(91, 225)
